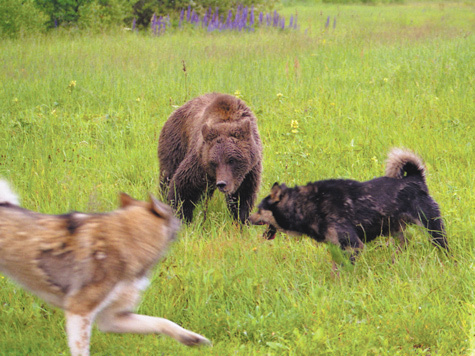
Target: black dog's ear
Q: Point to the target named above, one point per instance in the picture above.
(275, 193)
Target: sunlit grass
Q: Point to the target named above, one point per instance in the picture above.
(80, 118)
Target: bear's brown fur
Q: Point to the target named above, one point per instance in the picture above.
(211, 142)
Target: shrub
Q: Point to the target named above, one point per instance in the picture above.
(61, 12)
(20, 17)
(100, 15)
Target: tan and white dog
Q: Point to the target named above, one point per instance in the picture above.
(93, 266)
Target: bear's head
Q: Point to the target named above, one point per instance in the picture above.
(228, 153)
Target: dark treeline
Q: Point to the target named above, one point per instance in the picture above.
(21, 17)
(28, 17)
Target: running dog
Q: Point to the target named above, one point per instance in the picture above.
(93, 266)
(347, 212)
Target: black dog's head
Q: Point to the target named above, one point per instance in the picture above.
(267, 209)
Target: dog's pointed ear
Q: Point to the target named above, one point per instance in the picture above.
(275, 193)
(125, 200)
(159, 208)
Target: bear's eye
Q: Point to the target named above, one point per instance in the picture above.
(231, 161)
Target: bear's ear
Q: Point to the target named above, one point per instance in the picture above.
(209, 133)
(243, 131)
(275, 193)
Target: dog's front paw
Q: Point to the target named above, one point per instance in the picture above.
(193, 339)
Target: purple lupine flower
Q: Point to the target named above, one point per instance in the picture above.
(158, 26)
(218, 20)
(188, 14)
(229, 20)
(282, 23)
(276, 19)
(194, 17)
(133, 24)
(268, 19)
(291, 21)
(244, 18)
(236, 19)
(261, 18)
(221, 22)
(251, 17)
(56, 23)
(152, 23)
(328, 22)
(182, 16)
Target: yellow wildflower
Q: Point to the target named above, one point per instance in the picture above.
(71, 86)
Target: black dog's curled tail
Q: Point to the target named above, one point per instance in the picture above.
(404, 163)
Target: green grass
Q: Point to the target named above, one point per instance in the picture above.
(385, 76)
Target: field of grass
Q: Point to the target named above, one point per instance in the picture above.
(79, 122)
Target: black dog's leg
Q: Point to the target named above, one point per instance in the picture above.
(349, 241)
(345, 236)
(432, 221)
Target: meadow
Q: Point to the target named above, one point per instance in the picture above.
(80, 117)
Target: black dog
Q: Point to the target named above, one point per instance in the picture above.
(347, 212)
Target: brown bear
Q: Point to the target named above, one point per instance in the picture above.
(211, 142)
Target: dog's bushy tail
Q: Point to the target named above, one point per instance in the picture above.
(7, 195)
(404, 163)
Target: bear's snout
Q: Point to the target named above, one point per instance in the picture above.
(221, 185)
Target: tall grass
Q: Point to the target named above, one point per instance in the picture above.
(80, 118)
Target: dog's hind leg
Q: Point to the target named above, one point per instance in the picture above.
(436, 229)
(346, 237)
(128, 322)
(119, 318)
(430, 218)
(78, 329)
(350, 241)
